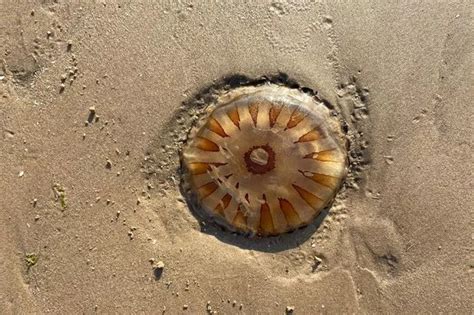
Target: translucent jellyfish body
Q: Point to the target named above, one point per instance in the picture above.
(266, 160)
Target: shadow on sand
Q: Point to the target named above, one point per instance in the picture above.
(269, 244)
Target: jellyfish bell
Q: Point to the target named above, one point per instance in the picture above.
(265, 160)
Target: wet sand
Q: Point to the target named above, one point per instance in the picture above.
(96, 100)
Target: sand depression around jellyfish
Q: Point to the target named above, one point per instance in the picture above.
(265, 160)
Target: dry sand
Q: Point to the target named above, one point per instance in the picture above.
(400, 241)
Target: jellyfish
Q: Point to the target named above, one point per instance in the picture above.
(265, 160)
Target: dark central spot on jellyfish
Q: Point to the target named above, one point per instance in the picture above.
(260, 159)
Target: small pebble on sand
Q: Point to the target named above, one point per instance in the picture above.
(158, 269)
(108, 164)
(159, 265)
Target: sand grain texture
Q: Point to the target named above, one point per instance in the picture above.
(107, 193)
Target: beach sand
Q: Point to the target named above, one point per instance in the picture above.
(96, 98)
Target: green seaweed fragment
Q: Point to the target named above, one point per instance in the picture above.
(60, 195)
(31, 259)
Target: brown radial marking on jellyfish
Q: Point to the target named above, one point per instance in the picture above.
(266, 220)
(253, 110)
(310, 198)
(329, 156)
(273, 114)
(268, 142)
(325, 156)
(223, 204)
(206, 144)
(325, 180)
(313, 135)
(234, 116)
(240, 220)
(247, 197)
(295, 118)
(207, 189)
(198, 168)
(213, 125)
(289, 212)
